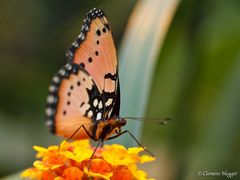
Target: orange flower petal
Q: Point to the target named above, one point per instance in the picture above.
(51, 161)
(49, 175)
(97, 165)
(98, 175)
(98, 168)
(121, 172)
(72, 173)
(71, 161)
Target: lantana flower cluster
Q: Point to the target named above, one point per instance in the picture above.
(72, 161)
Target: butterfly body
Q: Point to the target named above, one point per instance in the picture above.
(85, 92)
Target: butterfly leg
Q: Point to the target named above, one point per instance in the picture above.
(99, 144)
(78, 129)
(126, 131)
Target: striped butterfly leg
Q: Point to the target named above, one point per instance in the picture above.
(78, 129)
(119, 133)
(75, 132)
(99, 144)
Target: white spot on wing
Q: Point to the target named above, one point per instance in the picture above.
(109, 102)
(56, 79)
(75, 44)
(99, 116)
(52, 88)
(69, 67)
(95, 102)
(100, 105)
(80, 35)
(110, 112)
(62, 72)
(49, 111)
(90, 113)
(49, 123)
(50, 99)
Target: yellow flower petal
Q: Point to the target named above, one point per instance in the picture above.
(70, 160)
(41, 151)
(64, 145)
(115, 147)
(97, 175)
(32, 173)
(137, 173)
(59, 178)
(146, 158)
(119, 155)
(70, 155)
(135, 150)
(81, 143)
(82, 153)
(39, 165)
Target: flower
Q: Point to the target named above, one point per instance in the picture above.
(72, 161)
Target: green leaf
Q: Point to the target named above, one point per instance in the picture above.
(140, 47)
(15, 176)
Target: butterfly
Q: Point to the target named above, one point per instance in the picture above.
(84, 96)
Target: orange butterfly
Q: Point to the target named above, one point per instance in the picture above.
(84, 96)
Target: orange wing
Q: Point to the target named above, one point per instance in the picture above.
(74, 101)
(93, 64)
(94, 51)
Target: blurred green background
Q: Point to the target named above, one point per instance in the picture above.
(196, 81)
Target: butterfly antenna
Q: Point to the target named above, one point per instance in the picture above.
(162, 121)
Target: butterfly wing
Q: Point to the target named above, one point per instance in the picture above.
(94, 51)
(86, 90)
(73, 100)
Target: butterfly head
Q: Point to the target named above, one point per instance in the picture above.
(105, 129)
(119, 121)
